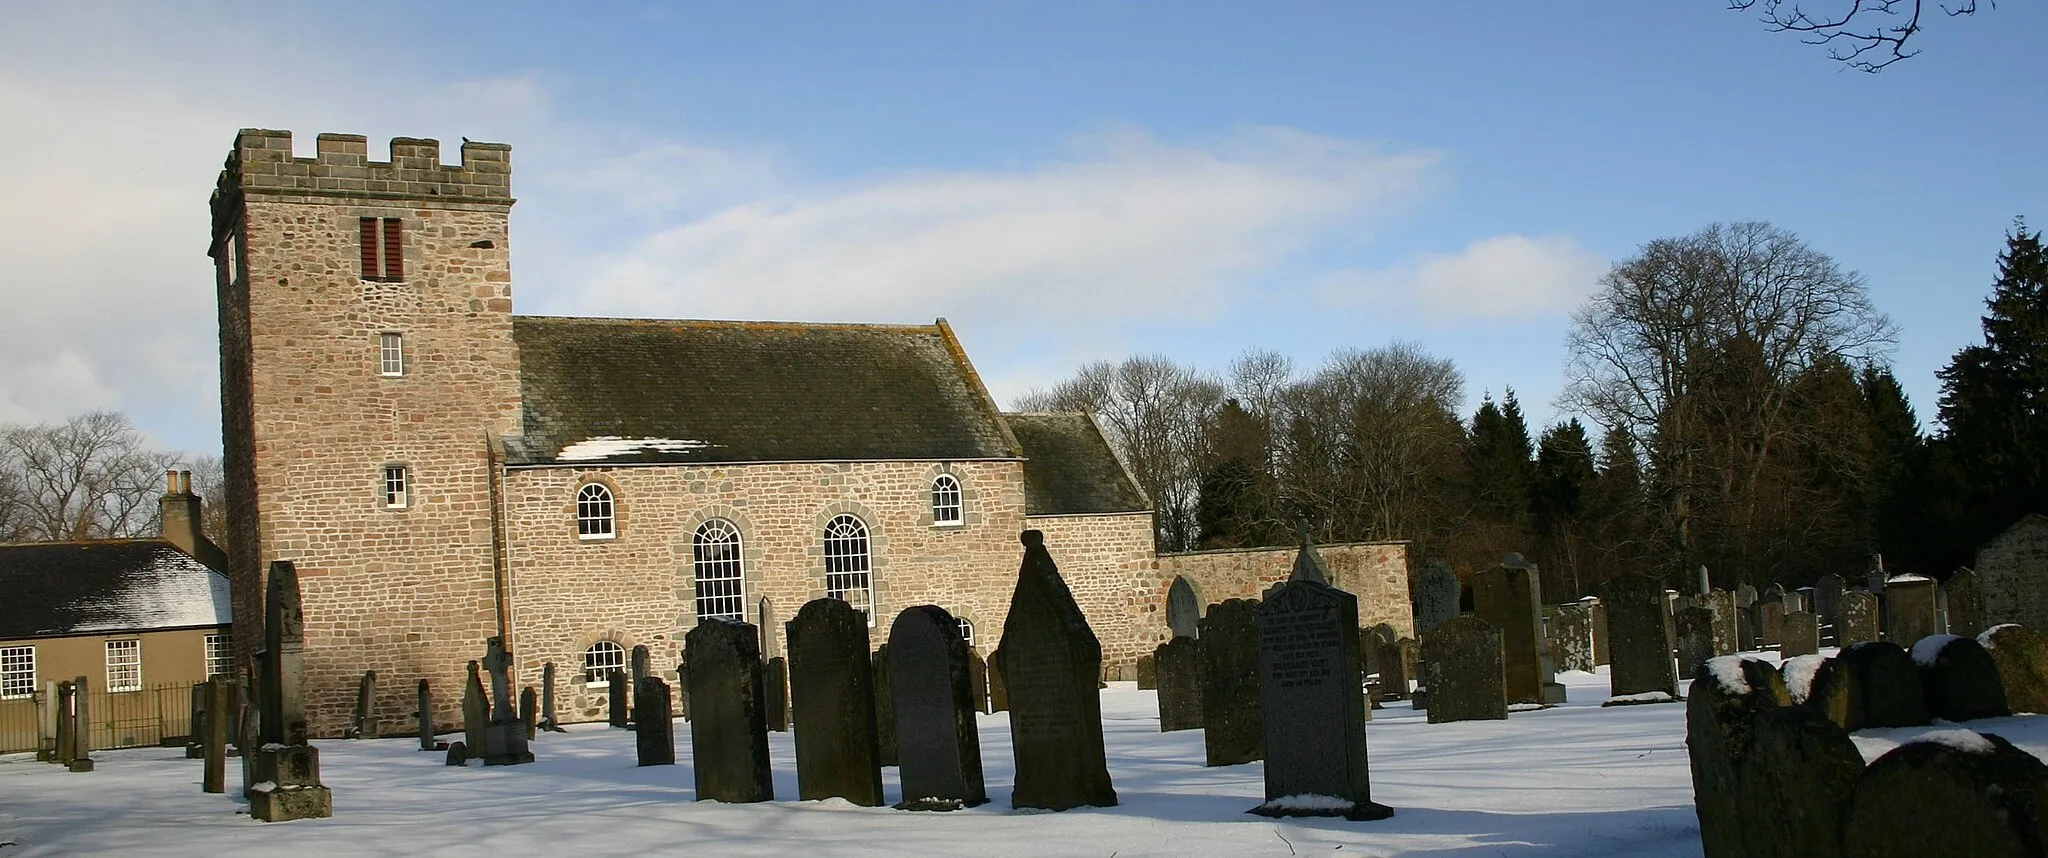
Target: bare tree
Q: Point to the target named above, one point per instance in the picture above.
(90, 477)
(1867, 35)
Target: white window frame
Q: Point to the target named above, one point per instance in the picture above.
(949, 507)
(124, 664)
(17, 672)
(598, 675)
(391, 354)
(597, 512)
(849, 564)
(397, 487)
(966, 628)
(231, 257)
(718, 571)
(220, 655)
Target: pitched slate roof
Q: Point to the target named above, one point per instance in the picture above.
(118, 585)
(1069, 468)
(612, 391)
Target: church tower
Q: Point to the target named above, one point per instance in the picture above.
(367, 373)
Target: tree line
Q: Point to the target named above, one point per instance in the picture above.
(1731, 407)
(94, 476)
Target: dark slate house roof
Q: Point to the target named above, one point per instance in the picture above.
(623, 391)
(117, 585)
(1069, 468)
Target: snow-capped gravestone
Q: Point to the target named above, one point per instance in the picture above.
(1232, 731)
(1179, 665)
(654, 728)
(1793, 769)
(939, 751)
(1051, 660)
(1855, 618)
(729, 730)
(1819, 684)
(977, 681)
(1951, 792)
(885, 705)
(1695, 639)
(1800, 634)
(505, 738)
(1638, 622)
(1728, 699)
(1509, 598)
(1884, 687)
(1965, 592)
(617, 710)
(2022, 658)
(1310, 694)
(1462, 665)
(1571, 637)
(1959, 679)
(1436, 597)
(776, 676)
(286, 769)
(838, 753)
(1909, 609)
(1727, 639)
(1183, 608)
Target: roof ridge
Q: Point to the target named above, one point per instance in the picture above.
(116, 540)
(731, 323)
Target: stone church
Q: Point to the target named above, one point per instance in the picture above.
(441, 471)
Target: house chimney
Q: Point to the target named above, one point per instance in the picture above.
(181, 513)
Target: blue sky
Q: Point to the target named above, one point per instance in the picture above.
(1063, 182)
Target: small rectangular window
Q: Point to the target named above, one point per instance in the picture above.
(124, 665)
(230, 258)
(220, 655)
(396, 488)
(17, 672)
(383, 245)
(390, 354)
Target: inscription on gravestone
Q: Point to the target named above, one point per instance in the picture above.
(936, 740)
(1050, 660)
(832, 689)
(1314, 709)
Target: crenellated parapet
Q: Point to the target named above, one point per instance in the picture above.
(262, 164)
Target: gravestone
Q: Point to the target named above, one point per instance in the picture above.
(458, 754)
(1696, 627)
(1393, 669)
(425, 717)
(1179, 664)
(1571, 637)
(729, 730)
(764, 619)
(1856, 620)
(1799, 635)
(832, 689)
(654, 726)
(1803, 597)
(1827, 597)
(642, 664)
(1959, 679)
(1966, 794)
(1233, 733)
(1050, 660)
(2022, 658)
(214, 745)
(936, 741)
(81, 735)
(286, 768)
(476, 713)
(1745, 596)
(885, 705)
(67, 724)
(46, 723)
(1727, 638)
(1798, 776)
(998, 693)
(1701, 584)
(1462, 662)
(1436, 597)
(1602, 654)
(1638, 622)
(505, 738)
(977, 681)
(682, 689)
(529, 712)
(776, 674)
(195, 721)
(1183, 608)
(1509, 598)
(1909, 609)
(1820, 684)
(1729, 699)
(616, 709)
(1148, 673)
(548, 721)
(1884, 687)
(1310, 693)
(365, 726)
(1770, 622)
(1965, 603)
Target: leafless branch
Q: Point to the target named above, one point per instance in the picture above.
(1867, 35)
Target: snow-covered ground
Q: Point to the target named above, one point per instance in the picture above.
(1571, 780)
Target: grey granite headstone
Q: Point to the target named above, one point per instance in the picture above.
(728, 730)
(1183, 608)
(1958, 797)
(1310, 695)
(1570, 631)
(1637, 613)
(831, 683)
(1799, 634)
(2022, 658)
(1909, 610)
(365, 726)
(1965, 603)
(1233, 733)
(654, 726)
(1436, 597)
(1959, 679)
(936, 740)
(885, 704)
(1695, 639)
(1884, 687)
(1726, 638)
(617, 709)
(1508, 597)
(776, 676)
(1462, 663)
(1179, 665)
(425, 716)
(1856, 621)
(1050, 660)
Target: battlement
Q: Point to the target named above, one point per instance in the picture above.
(262, 163)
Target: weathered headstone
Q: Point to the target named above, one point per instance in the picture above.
(998, 693)
(682, 689)
(81, 736)
(1436, 597)
(67, 724)
(1745, 596)
(1570, 631)
(776, 675)
(195, 723)
(476, 712)
(885, 705)
(764, 619)
(286, 767)
(1183, 608)
(1387, 658)
(1959, 679)
(1637, 612)
(617, 710)
(1729, 698)
(1884, 687)
(1962, 793)
(46, 723)
(654, 726)
(1827, 597)
(458, 754)
(977, 681)
(936, 740)
(1701, 583)
(1602, 652)
(832, 690)
(1233, 733)
(1770, 622)
(1696, 627)
(219, 698)
(529, 711)
(1509, 598)
(1310, 694)
(424, 716)
(2022, 658)
(1820, 684)
(1797, 779)
(1727, 637)
(1799, 634)
(642, 664)
(1462, 662)
(1909, 609)
(1148, 674)
(365, 726)
(1050, 660)
(1965, 603)
(1179, 664)
(1856, 618)
(548, 721)
(728, 730)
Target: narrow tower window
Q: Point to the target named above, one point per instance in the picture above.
(397, 491)
(390, 354)
(383, 240)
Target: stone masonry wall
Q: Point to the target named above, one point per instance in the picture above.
(1106, 560)
(1375, 572)
(2014, 569)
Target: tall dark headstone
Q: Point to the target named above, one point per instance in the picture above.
(1959, 679)
(831, 683)
(1570, 634)
(1856, 620)
(776, 675)
(1183, 608)
(682, 689)
(67, 723)
(1179, 665)
(977, 681)
(195, 722)
(365, 726)
(2022, 658)
(1965, 593)
(1884, 687)
(476, 711)
(885, 705)
(219, 697)
(1508, 597)
(548, 721)
(654, 726)
(617, 709)
(1729, 698)
(1148, 673)
(1638, 622)
(529, 711)
(1233, 732)
(936, 740)
(1973, 794)
(1827, 598)
(425, 717)
(728, 729)
(1909, 609)
(998, 693)
(1462, 665)
(505, 738)
(1695, 639)
(1387, 661)
(1050, 660)
(1436, 597)
(286, 767)
(1770, 622)
(642, 664)
(1799, 634)
(1311, 696)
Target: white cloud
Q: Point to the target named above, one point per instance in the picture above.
(1502, 277)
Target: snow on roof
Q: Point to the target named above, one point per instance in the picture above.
(609, 446)
(107, 586)
(1799, 672)
(1928, 649)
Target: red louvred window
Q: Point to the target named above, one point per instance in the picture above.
(372, 268)
(394, 249)
(383, 241)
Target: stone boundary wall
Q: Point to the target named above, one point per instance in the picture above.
(1375, 572)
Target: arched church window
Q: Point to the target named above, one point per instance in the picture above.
(594, 518)
(715, 564)
(600, 660)
(966, 630)
(946, 506)
(848, 575)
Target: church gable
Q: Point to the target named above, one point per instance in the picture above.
(628, 391)
(1070, 469)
